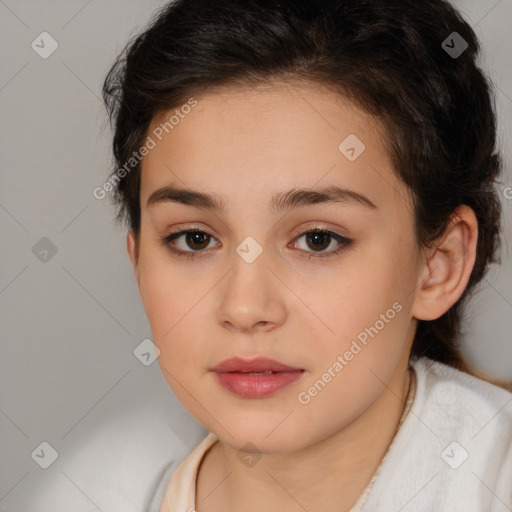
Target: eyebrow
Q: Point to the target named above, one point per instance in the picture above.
(280, 201)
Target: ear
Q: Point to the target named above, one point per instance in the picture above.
(446, 267)
(133, 253)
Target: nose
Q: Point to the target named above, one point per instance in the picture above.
(251, 297)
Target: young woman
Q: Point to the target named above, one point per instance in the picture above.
(309, 192)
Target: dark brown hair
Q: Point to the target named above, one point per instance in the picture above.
(393, 58)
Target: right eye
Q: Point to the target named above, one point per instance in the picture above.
(193, 237)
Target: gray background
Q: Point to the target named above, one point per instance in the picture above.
(70, 325)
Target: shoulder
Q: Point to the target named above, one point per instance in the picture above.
(442, 386)
(455, 445)
(469, 416)
(177, 487)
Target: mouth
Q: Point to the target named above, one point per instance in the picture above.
(256, 378)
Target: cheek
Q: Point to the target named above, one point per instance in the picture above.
(164, 296)
(363, 334)
(175, 308)
(367, 300)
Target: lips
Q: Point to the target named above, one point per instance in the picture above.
(256, 378)
(261, 364)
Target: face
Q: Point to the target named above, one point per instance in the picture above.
(323, 286)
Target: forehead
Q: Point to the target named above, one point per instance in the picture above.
(243, 142)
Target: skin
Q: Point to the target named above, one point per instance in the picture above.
(246, 144)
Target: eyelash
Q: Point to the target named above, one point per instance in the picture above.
(343, 241)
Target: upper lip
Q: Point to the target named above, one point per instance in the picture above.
(260, 364)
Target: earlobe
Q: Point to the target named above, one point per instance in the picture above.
(447, 266)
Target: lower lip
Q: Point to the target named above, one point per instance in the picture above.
(257, 386)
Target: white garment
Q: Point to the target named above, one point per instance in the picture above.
(453, 451)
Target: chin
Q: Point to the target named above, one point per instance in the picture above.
(270, 435)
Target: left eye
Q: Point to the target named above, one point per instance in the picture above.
(320, 239)
(198, 240)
